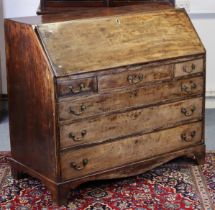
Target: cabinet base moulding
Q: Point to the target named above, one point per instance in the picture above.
(60, 190)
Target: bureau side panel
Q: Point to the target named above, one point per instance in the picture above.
(31, 101)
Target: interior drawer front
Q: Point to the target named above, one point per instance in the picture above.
(189, 67)
(70, 87)
(109, 155)
(138, 75)
(99, 104)
(130, 122)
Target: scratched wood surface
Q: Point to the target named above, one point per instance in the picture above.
(110, 155)
(31, 101)
(73, 87)
(189, 67)
(135, 76)
(115, 101)
(87, 12)
(128, 123)
(93, 44)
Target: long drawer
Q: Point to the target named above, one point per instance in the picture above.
(109, 155)
(98, 104)
(131, 122)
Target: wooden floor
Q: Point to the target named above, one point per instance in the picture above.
(210, 128)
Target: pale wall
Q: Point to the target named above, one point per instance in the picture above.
(8, 9)
(18, 8)
(205, 25)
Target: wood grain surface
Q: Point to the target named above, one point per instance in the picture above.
(83, 107)
(189, 67)
(61, 189)
(86, 12)
(123, 124)
(31, 101)
(69, 87)
(128, 150)
(93, 44)
(135, 76)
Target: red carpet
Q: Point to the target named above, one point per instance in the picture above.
(179, 184)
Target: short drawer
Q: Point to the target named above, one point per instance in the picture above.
(109, 155)
(189, 67)
(103, 103)
(131, 122)
(71, 87)
(139, 75)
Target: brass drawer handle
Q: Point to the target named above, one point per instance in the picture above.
(79, 89)
(188, 88)
(82, 109)
(188, 136)
(78, 138)
(188, 69)
(135, 78)
(78, 167)
(188, 111)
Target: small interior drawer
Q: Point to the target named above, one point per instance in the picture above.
(71, 87)
(189, 67)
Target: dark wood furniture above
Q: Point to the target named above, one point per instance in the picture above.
(61, 6)
(1, 107)
(103, 94)
(0, 101)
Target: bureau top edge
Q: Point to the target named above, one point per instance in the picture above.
(86, 13)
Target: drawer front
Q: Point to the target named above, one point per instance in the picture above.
(139, 75)
(71, 87)
(109, 155)
(189, 67)
(131, 122)
(98, 104)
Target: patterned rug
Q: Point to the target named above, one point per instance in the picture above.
(179, 184)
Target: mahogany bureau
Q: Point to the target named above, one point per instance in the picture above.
(103, 95)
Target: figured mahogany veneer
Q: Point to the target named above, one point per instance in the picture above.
(131, 149)
(104, 128)
(103, 97)
(71, 109)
